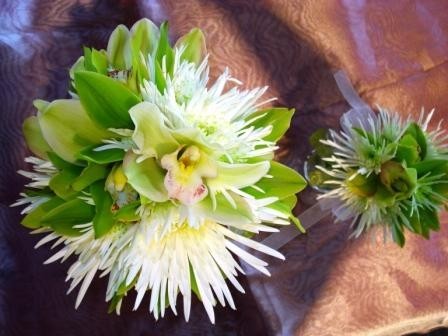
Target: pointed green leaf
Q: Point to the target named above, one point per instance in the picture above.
(34, 138)
(416, 132)
(63, 218)
(33, 220)
(61, 182)
(67, 128)
(164, 50)
(77, 66)
(283, 183)
(397, 235)
(128, 213)
(102, 156)
(117, 50)
(104, 219)
(278, 118)
(92, 173)
(99, 61)
(194, 44)
(106, 100)
(60, 163)
(88, 65)
(146, 177)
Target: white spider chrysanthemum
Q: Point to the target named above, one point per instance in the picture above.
(160, 178)
(221, 116)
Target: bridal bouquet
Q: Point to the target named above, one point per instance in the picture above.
(157, 178)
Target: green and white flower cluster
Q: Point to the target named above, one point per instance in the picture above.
(154, 176)
(386, 172)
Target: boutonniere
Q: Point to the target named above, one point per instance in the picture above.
(384, 171)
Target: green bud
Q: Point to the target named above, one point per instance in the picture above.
(398, 180)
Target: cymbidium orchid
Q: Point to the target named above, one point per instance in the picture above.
(154, 176)
(386, 172)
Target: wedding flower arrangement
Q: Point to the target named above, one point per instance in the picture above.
(156, 177)
(384, 172)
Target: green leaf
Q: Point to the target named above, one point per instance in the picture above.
(88, 65)
(430, 166)
(195, 48)
(106, 100)
(430, 219)
(164, 50)
(61, 182)
(67, 128)
(397, 235)
(278, 118)
(63, 218)
(60, 163)
(417, 133)
(284, 182)
(99, 61)
(104, 219)
(159, 77)
(225, 212)
(77, 66)
(117, 49)
(33, 220)
(92, 173)
(146, 177)
(128, 213)
(285, 205)
(34, 138)
(408, 150)
(103, 156)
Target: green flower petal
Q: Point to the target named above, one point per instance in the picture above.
(151, 136)
(67, 128)
(146, 177)
(398, 180)
(143, 40)
(194, 44)
(117, 50)
(225, 213)
(34, 138)
(238, 175)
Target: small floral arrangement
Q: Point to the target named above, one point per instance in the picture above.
(154, 176)
(384, 171)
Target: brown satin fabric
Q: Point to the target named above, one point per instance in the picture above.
(395, 54)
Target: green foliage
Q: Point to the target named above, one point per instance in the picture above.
(106, 100)
(104, 219)
(277, 118)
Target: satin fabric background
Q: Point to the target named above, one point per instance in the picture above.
(395, 53)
